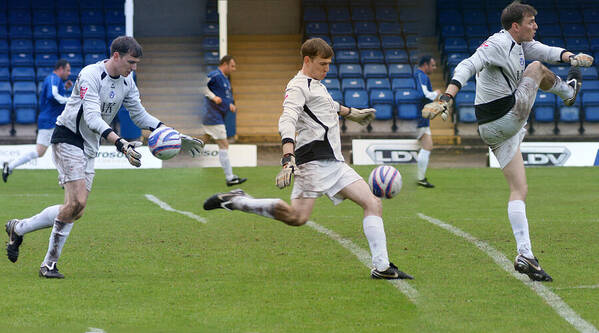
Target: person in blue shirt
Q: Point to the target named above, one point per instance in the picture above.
(53, 98)
(218, 100)
(426, 66)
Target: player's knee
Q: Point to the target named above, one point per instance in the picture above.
(374, 204)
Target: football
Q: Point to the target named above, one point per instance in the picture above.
(385, 181)
(164, 143)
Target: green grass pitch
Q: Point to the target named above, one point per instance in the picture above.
(131, 266)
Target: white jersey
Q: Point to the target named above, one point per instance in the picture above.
(499, 63)
(95, 101)
(310, 111)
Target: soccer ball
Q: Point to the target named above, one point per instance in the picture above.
(164, 143)
(385, 181)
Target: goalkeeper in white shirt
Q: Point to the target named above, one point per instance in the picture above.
(314, 156)
(505, 93)
(98, 94)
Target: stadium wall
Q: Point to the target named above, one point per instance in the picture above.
(264, 17)
(156, 18)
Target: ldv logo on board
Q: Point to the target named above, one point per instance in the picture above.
(545, 156)
(391, 154)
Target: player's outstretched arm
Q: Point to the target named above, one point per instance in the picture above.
(189, 144)
(361, 116)
(125, 147)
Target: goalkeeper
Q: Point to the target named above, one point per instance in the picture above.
(505, 93)
(309, 127)
(97, 96)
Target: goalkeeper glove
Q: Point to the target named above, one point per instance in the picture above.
(581, 60)
(191, 145)
(286, 173)
(128, 148)
(432, 109)
(361, 116)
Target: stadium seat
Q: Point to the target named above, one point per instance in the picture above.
(71, 31)
(395, 56)
(317, 28)
(475, 16)
(590, 103)
(368, 42)
(590, 85)
(400, 70)
(4, 74)
(114, 16)
(550, 30)
(570, 16)
(589, 73)
(210, 44)
(333, 72)
(407, 101)
(340, 28)
(392, 42)
(92, 16)
(413, 42)
(470, 86)
(403, 83)
(362, 14)
(68, 17)
(453, 59)
(467, 114)
(4, 48)
(114, 31)
(314, 14)
(350, 71)
(591, 15)
(356, 99)
(561, 71)
(20, 31)
(554, 41)
(75, 72)
(42, 4)
(4, 60)
(21, 59)
(22, 74)
(3, 33)
(352, 83)
(211, 57)
(42, 72)
(389, 28)
(371, 56)
(44, 17)
(569, 114)
(455, 45)
(5, 87)
(94, 31)
(210, 29)
(377, 83)
(25, 105)
(344, 43)
(44, 32)
(24, 87)
(450, 16)
(212, 15)
(69, 46)
(45, 46)
(464, 99)
(548, 18)
(19, 16)
(375, 71)
(94, 46)
(5, 108)
(577, 44)
(338, 14)
(474, 43)
(544, 107)
(451, 30)
(382, 101)
(476, 31)
(347, 57)
(386, 14)
(336, 95)
(21, 46)
(365, 27)
(93, 58)
(594, 43)
(574, 30)
(331, 84)
(45, 60)
(75, 59)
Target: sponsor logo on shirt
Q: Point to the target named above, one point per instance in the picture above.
(82, 92)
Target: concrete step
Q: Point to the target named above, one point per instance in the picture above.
(172, 47)
(166, 90)
(167, 76)
(260, 38)
(153, 98)
(166, 54)
(245, 88)
(264, 75)
(234, 50)
(265, 95)
(174, 83)
(169, 39)
(173, 60)
(179, 68)
(242, 60)
(267, 45)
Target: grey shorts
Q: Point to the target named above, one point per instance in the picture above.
(505, 134)
(44, 136)
(317, 178)
(72, 164)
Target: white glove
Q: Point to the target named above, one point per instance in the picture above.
(361, 116)
(128, 148)
(440, 106)
(191, 145)
(286, 174)
(581, 60)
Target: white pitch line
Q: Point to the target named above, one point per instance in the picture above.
(502, 261)
(167, 207)
(577, 287)
(364, 257)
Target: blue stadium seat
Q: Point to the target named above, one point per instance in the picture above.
(331, 84)
(400, 70)
(114, 16)
(317, 28)
(392, 42)
(574, 30)
(94, 31)
(590, 103)
(464, 99)
(114, 31)
(470, 86)
(3, 32)
(93, 58)
(42, 72)
(452, 30)
(211, 57)
(45, 46)
(336, 95)
(347, 57)
(589, 73)
(476, 31)
(407, 101)
(5, 87)
(211, 15)
(467, 114)
(4, 48)
(4, 74)
(548, 17)
(455, 45)
(403, 83)
(338, 14)
(344, 42)
(19, 16)
(22, 74)
(25, 105)
(20, 31)
(474, 43)
(544, 107)
(94, 46)
(570, 16)
(24, 87)
(561, 71)
(340, 28)
(375, 71)
(550, 30)
(71, 31)
(210, 44)
(371, 56)
(396, 56)
(450, 16)
(350, 71)
(412, 41)
(314, 14)
(98, 4)
(44, 17)
(326, 38)
(365, 27)
(44, 32)
(594, 44)
(554, 41)
(352, 83)
(333, 72)
(388, 14)
(362, 14)
(75, 59)
(92, 16)
(455, 58)
(591, 15)
(45, 60)
(475, 16)
(69, 45)
(377, 83)
(66, 5)
(210, 29)
(21, 60)
(75, 72)
(569, 114)
(382, 101)
(4, 60)
(577, 44)
(590, 85)
(3, 19)
(21, 45)
(42, 4)
(356, 99)
(389, 28)
(5, 108)
(368, 42)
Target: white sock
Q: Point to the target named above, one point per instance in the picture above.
(223, 156)
(516, 212)
(264, 207)
(22, 159)
(561, 88)
(59, 235)
(45, 219)
(423, 156)
(375, 234)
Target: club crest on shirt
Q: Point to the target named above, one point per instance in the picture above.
(112, 94)
(82, 92)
